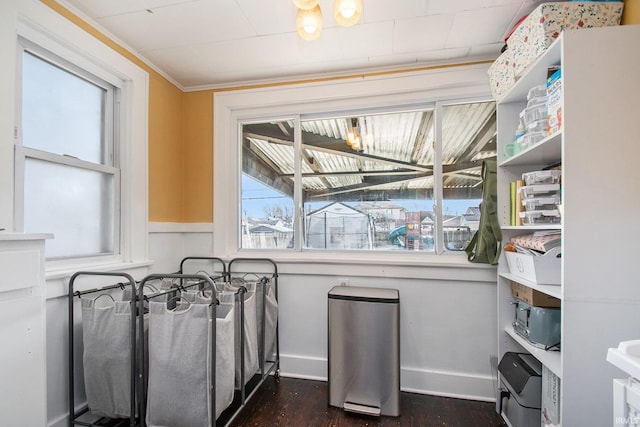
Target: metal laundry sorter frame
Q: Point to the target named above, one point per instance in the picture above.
(138, 384)
(138, 380)
(201, 279)
(249, 389)
(73, 414)
(226, 272)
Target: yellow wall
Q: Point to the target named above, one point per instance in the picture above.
(631, 12)
(166, 153)
(198, 137)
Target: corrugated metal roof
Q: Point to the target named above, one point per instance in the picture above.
(397, 149)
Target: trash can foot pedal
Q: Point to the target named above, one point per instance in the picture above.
(361, 409)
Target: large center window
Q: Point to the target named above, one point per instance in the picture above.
(405, 180)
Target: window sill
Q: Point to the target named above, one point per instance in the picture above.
(447, 267)
(66, 271)
(448, 259)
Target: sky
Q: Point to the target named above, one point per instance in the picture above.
(255, 196)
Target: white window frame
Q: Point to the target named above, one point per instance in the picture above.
(108, 166)
(39, 25)
(386, 92)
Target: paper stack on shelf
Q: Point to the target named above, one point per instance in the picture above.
(541, 241)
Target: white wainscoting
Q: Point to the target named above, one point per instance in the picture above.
(447, 313)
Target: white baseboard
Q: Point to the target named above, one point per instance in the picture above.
(460, 385)
(61, 421)
(303, 367)
(447, 384)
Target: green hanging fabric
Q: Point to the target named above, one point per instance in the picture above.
(486, 244)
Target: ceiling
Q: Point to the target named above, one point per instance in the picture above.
(201, 44)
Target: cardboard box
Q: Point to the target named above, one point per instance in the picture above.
(550, 410)
(533, 297)
(554, 102)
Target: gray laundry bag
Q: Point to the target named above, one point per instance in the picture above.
(270, 321)
(106, 334)
(180, 363)
(225, 357)
(247, 332)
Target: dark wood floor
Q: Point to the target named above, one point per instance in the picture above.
(289, 402)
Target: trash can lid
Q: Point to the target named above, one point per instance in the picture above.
(358, 293)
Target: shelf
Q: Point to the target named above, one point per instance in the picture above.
(550, 359)
(547, 151)
(585, 56)
(551, 290)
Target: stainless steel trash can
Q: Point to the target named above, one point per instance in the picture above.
(364, 350)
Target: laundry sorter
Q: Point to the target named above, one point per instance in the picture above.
(166, 340)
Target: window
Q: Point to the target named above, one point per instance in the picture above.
(67, 174)
(283, 173)
(369, 181)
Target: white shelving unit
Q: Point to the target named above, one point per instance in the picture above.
(599, 148)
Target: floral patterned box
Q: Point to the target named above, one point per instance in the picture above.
(534, 35)
(501, 75)
(543, 25)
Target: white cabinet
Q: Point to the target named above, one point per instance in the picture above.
(599, 149)
(22, 329)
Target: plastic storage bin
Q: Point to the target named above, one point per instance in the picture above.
(541, 203)
(535, 112)
(530, 138)
(537, 92)
(542, 177)
(364, 350)
(551, 216)
(537, 126)
(540, 190)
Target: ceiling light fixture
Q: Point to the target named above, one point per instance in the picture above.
(309, 23)
(353, 135)
(305, 4)
(347, 12)
(309, 16)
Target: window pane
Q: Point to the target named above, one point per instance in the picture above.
(267, 186)
(61, 112)
(468, 137)
(368, 182)
(76, 205)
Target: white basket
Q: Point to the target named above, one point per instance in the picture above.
(540, 269)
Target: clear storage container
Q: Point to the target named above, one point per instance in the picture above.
(540, 190)
(535, 112)
(541, 203)
(539, 91)
(542, 177)
(551, 216)
(538, 126)
(530, 138)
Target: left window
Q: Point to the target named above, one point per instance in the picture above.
(67, 173)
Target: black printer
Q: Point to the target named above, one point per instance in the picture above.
(520, 389)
